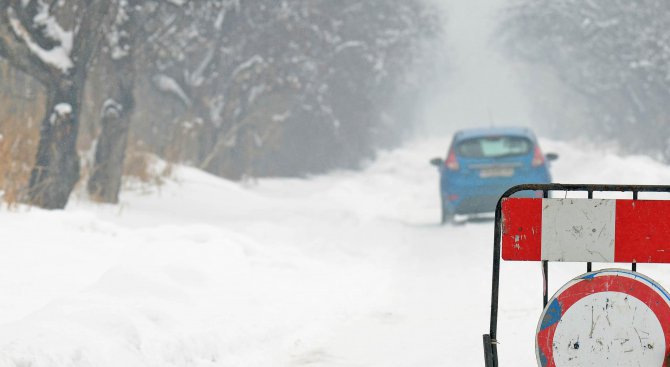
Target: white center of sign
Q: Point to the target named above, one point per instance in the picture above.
(609, 329)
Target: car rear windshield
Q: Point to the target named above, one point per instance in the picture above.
(494, 147)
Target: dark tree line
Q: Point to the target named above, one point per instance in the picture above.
(280, 88)
(613, 59)
(238, 88)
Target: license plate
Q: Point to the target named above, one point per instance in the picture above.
(496, 172)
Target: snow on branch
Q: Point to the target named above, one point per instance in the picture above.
(58, 56)
(169, 85)
(196, 78)
(60, 112)
(177, 2)
(256, 59)
(118, 34)
(111, 109)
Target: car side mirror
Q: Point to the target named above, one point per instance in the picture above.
(437, 162)
(551, 156)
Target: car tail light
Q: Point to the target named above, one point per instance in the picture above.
(452, 197)
(452, 163)
(538, 158)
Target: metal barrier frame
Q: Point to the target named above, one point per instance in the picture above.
(490, 341)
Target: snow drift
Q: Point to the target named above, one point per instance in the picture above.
(345, 269)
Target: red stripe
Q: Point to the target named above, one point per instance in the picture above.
(642, 231)
(522, 229)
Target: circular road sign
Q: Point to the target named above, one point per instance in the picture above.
(610, 317)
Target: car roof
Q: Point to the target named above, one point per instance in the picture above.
(493, 131)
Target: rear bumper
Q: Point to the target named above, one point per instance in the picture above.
(476, 204)
(475, 200)
(470, 194)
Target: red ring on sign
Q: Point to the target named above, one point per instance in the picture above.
(586, 286)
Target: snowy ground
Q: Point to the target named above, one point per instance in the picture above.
(348, 269)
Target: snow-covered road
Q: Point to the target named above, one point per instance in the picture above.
(348, 269)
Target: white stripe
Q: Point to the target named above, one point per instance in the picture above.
(578, 230)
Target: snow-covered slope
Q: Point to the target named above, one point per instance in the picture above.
(349, 269)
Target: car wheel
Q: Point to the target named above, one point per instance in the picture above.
(447, 214)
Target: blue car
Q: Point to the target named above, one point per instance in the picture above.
(482, 164)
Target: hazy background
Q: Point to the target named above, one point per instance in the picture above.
(477, 85)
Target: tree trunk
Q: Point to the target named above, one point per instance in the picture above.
(56, 168)
(105, 181)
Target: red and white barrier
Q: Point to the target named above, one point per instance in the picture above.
(586, 230)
